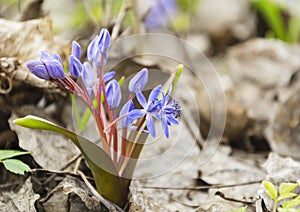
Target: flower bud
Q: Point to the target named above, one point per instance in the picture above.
(76, 49)
(55, 69)
(113, 93)
(99, 45)
(75, 67)
(88, 75)
(138, 82)
(38, 69)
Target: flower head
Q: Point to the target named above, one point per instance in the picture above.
(168, 113)
(138, 82)
(48, 67)
(150, 109)
(99, 45)
(113, 93)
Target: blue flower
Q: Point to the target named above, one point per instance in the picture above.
(38, 69)
(88, 76)
(48, 67)
(150, 109)
(168, 114)
(76, 50)
(75, 67)
(113, 93)
(160, 14)
(99, 45)
(127, 107)
(138, 82)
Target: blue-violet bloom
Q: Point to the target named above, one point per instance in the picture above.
(38, 69)
(168, 113)
(76, 50)
(75, 67)
(99, 45)
(48, 67)
(113, 93)
(138, 82)
(150, 109)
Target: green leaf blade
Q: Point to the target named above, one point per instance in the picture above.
(270, 190)
(287, 187)
(108, 182)
(292, 203)
(16, 166)
(5, 154)
(286, 196)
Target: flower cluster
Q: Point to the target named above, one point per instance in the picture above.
(93, 85)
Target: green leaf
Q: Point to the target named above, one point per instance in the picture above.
(292, 203)
(106, 176)
(4, 154)
(16, 166)
(298, 181)
(177, 75)
(287, 187)
(272, 14)
(286, 196)
(270, 190)
(293, 29)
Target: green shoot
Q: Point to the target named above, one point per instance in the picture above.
(285, 192)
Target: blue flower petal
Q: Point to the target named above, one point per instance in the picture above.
(140, 97)
(135, 114)
(164, 124)
(75, 67)
(45, 55)
(172, 119)
(127, 107)
(55, 69)
(154, 94)
(109, 75)
(150, 125)
(57, 57)
(41, 72)
(33, 63)
(76, 50)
